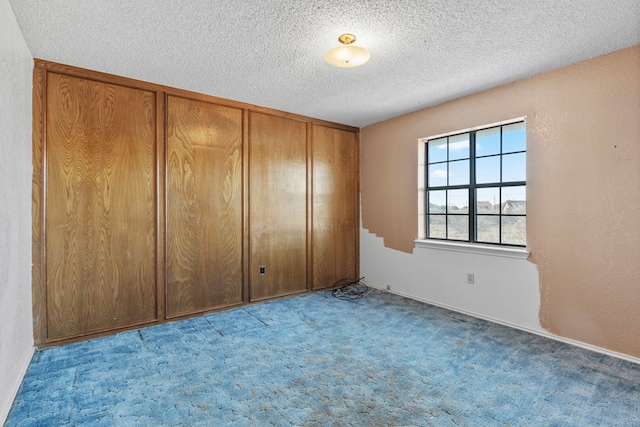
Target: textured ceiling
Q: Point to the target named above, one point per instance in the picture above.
(270, 52)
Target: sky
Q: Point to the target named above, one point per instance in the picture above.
(488, 168)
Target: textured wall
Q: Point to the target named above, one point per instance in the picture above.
(583, 173)
(16, 334)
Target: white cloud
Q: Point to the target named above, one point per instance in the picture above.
(457, 146)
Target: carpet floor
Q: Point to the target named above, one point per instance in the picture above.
(382, 360)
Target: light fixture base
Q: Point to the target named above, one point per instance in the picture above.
(347, 38)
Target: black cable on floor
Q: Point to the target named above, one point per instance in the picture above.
(348, 289)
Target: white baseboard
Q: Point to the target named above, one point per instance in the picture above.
(519, 327)
(13, 389)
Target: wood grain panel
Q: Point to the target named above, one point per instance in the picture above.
(335, 206)
(37, 209)
(106, 181)
(278, 205)
(100, 206)
(161, 191)
(204, 206)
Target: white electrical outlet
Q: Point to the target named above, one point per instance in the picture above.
(470, 278)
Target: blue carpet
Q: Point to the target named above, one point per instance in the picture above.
(313, 361)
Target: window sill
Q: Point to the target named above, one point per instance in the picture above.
(474, 248)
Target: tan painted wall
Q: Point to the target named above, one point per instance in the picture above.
(583, 174)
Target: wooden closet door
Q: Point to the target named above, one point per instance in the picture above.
(278, 206)
(100, 214)
(204, 206)
(335, 228)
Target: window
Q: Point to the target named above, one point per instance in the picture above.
(475, 185)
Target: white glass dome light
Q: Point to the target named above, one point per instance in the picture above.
(347, 55)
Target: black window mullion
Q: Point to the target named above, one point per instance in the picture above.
(501, 186)
(446, 197)
(446, 205)
(500, 210)
(472, 187)
(426, 189)
(501, 152)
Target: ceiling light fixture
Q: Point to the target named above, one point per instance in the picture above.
(347, 55)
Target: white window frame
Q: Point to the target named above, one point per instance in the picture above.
(455, 246)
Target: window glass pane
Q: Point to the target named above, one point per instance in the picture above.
(437, 201)
(458, 227)
(488, 142)
(488, 200)
(437, 228)
(514, 138)
(437, 175)
(514, 230)
(437, 150)
(514, 200)
(488, 229)
(514, 167)
(488, 170)
(459, 172)
(458, 201)
(459, 147)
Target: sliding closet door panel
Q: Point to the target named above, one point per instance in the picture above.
(335, 206)
(278, 206)
(100, 214)
(204, 206)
